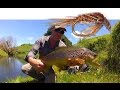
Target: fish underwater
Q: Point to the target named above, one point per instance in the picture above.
(69, 56)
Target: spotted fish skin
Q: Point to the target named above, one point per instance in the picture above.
(70, 52)
(68, 56)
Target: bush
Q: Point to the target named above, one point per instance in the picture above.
(114, 51)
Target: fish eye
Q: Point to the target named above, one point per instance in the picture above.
(73, 56)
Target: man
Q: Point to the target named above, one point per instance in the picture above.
(44, 46)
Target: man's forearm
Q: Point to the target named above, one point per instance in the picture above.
(30, 59)
(30, 55)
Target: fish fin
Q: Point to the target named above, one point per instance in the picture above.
(75, 61)
(96, 63)
(80, 61)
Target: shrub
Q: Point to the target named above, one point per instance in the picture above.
(114, 51)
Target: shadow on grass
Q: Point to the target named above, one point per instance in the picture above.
(34, 81)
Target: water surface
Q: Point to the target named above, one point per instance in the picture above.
(10, 68)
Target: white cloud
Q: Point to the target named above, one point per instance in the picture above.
(48, 13)
(30, 38)
(74, 40)
(77, 36)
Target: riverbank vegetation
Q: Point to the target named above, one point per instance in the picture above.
(3, 54)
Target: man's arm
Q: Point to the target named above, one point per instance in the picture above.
(33, 51)
(30, 57)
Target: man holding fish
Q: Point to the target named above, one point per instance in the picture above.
(44, 46)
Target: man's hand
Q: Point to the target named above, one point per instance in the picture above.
(37, 64)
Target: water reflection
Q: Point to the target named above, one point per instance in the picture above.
(10, 68)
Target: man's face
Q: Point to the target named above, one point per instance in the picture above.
(57, 33)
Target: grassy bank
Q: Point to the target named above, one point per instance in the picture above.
(93, 76)
(3, 54)
(20, 79)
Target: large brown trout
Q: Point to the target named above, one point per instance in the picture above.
(69, 56)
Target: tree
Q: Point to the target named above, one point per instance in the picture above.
(8, 44)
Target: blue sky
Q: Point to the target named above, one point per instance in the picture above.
(28, 31)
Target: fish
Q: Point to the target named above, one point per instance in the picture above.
(68, 56)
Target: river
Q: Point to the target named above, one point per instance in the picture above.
(10, 68)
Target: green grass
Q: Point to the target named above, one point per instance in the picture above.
(20, 79)
(23, 50)
(3, 54)
(99, 75)
(94, 76)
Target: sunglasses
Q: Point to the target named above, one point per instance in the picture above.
(60, 31)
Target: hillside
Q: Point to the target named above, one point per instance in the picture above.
(23, 50)
(96, 44)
